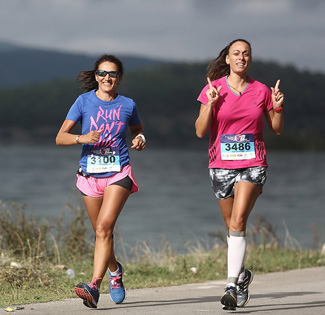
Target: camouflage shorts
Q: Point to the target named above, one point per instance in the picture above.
(224, 180)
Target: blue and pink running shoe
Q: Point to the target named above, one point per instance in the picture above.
(89, 293)
(116, 287)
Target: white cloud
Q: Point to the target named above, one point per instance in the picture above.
(289, 31)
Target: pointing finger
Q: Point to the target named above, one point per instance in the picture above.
(277, 85)
(209, 82)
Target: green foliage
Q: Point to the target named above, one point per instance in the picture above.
(75, 236)
(23, 236)
(166, 95)
(38, 241)
(35, 255)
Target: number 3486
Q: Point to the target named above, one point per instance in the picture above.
(238, 147)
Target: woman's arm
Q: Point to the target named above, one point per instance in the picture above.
(65, 137)
(274, 117)
(137, 133)
(203, 122)
(274, 121)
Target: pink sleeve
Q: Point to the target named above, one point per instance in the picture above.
(202, 97)
(268, 100)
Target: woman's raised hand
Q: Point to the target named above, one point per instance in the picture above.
(277, 95)
(212, 93)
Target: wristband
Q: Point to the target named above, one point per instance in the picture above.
(278, 109)
(142, 137)
(77, 139)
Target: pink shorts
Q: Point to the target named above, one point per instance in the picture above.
(94, 186)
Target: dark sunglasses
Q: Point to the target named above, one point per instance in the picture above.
(112, 74)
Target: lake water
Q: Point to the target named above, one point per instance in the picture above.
(175, 201)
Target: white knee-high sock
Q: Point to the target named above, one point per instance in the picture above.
(236, 254)
(242, 274)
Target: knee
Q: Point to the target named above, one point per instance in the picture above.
(238, 223)
(103, 232)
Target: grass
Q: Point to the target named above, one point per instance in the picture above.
(36, 253)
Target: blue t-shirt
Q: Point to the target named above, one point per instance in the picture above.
(113, 118)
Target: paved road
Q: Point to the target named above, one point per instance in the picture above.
(294, 292)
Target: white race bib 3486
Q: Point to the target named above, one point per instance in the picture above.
(237, 146)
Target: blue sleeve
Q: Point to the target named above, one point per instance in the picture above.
(134, 119)
(75, 111)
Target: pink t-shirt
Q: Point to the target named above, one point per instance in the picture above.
(236, 139)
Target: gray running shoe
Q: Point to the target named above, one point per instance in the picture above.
(229, 299)
(243, 295)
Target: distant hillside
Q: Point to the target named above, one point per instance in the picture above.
(166, 95)
(20, 65)
(5, 47)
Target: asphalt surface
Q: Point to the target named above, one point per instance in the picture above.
(293, 292)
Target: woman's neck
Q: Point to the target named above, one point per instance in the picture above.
(237, 80)
(107, 97)
(237, 83)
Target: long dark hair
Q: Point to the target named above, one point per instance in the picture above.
(218, 68)
(87, 78)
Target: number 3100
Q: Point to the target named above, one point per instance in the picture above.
(105, 159)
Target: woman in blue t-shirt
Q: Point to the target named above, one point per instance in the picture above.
(105, 176)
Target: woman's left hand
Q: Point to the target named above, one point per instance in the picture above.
(277, 95)
(138, 144)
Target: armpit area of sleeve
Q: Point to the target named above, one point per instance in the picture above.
(201, 102)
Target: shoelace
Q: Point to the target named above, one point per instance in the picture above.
(241, 287)
(230, 289)
(93, 284)
(116, 281)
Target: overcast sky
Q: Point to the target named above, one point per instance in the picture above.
(286, 31)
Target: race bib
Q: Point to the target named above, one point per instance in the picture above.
(103, 161)
(237, 147)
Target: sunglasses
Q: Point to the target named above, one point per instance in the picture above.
(112, 74)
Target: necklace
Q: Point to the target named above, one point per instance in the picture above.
(240, 92)
(235, 89)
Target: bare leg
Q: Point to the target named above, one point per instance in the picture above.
(114, 199)
(103, 213)
(246, 195)
(236, 209)
(226, 206)
(93, 205)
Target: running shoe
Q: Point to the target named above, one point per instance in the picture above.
(243, 295)
(116, 287)
(89, 294)
(229, 299)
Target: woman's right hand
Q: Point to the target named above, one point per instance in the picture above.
(91, 137)
(212, 93)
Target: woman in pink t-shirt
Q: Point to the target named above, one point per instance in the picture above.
(232, 110)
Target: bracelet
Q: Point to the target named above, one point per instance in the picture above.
(77, 139)
(278, 109)
(142, 137)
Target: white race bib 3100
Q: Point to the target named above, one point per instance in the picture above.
(103, 161)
